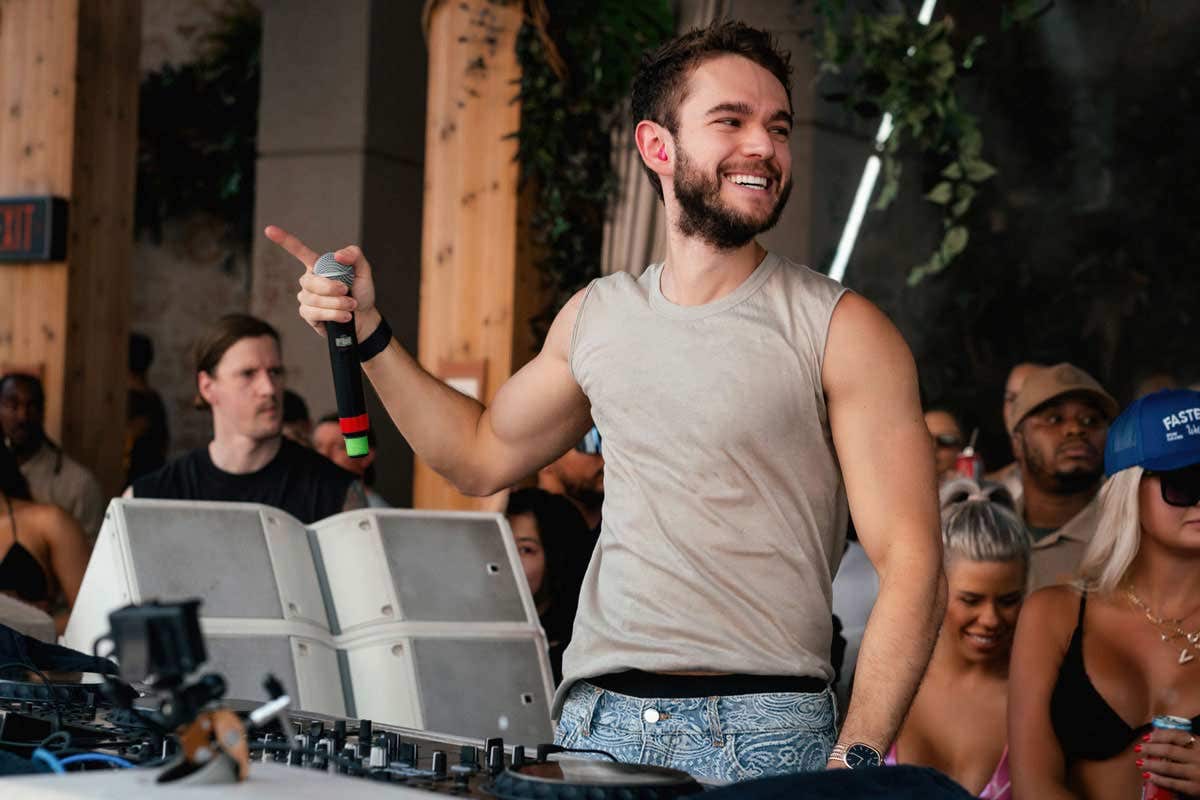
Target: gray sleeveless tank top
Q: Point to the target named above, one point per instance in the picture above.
(724, 513)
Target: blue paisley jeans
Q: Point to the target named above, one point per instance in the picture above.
(728, 738)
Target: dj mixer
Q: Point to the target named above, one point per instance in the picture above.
(355, 756)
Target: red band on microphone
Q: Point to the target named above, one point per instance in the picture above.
(358, 424)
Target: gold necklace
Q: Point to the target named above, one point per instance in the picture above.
(1168, 629)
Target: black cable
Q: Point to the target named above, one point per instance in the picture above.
(560, 749)
(64, 735)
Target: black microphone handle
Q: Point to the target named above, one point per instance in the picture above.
(347, 385)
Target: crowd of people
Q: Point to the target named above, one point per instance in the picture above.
(682, 463)
(266, 449)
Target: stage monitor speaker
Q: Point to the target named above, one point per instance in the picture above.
(416, 618)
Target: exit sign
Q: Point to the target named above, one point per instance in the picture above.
(33, 229)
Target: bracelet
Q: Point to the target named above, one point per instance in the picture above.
(376, 343)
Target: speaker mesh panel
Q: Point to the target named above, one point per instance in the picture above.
(244, 661)
(218, 554)
(450, 569)
(468, 685)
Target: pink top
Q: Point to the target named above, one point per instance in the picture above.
(999, 787)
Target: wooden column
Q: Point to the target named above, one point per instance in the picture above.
(478, 287)
(68, 126)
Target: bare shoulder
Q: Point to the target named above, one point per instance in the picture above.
(864, 352)
(562, 330)
(50, 521)
(858, 328)
(1052, 611)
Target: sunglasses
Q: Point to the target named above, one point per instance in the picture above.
(590, 443)
(947, 440)
(1180, 487)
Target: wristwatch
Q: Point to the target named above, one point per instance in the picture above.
(857, 755)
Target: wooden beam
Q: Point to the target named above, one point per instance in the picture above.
(477, 282)
(68, 94)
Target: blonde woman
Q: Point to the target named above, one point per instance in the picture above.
(1095, 663)
(986, 553)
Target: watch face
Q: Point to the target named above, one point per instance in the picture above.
(860, 756)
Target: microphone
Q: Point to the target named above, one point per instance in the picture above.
(347, 372)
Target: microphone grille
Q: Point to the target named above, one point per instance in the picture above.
(328, 267)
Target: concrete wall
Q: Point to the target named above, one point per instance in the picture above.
(341, 143)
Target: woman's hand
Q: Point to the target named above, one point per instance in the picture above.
(1170, 759)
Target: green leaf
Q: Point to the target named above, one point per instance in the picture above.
(978, 170)
(965, 193)
(940, 193)
(953, 172)
(954, 242)
(934, 265)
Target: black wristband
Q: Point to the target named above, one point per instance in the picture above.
(376, 343)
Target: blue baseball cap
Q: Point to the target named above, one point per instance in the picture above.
(1160, 432)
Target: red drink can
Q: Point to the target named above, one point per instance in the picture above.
(969, 464)
(1152, 791)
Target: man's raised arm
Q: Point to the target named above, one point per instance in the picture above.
(887, 463)
(535, 416)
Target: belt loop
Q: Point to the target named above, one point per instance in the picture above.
(714, 722)
(591, 711)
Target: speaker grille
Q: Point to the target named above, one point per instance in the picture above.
(450, 569)
(217, 554)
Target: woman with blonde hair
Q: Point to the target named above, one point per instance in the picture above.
(986, 551)
(1096, 662)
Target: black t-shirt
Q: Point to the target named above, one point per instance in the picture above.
(300, 481)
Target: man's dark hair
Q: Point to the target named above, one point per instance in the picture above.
(568, 545)
(12, 482)
(32, 384)
(661, 83)
(224, 334)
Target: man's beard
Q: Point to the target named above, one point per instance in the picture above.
(1073, 482)
(705, 215)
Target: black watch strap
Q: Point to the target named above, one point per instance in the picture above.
(376, 343)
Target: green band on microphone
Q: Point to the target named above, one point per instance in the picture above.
(357, 446)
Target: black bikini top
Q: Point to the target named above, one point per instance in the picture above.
(1086, 725)
(20, 572)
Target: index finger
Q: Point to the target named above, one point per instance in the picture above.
(293, 245)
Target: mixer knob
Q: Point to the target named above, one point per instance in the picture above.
(349, 756)
(379, 753)
(339, 734)
(495, 759)
(462, 774)
(321, 759)
(518, 756)
(364, 738)
(439, 763)
(468, 756)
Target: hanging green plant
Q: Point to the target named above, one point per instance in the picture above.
(896, 65)
(577, 62)
(197, 131)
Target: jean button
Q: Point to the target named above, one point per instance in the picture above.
(651, 715)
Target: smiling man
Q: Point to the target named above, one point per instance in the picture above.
(1058, 422)
(239, 377)
(741, 399)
